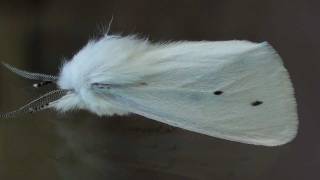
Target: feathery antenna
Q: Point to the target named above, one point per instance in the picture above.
(39, 104)
(30, 75)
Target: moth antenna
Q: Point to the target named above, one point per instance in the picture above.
(30, 75)
(39, 104)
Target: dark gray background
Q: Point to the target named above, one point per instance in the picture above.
(37, 35)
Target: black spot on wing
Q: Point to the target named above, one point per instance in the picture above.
(218, 92)
(143, 84)
(256, 103)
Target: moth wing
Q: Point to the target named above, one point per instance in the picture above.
(245, 97)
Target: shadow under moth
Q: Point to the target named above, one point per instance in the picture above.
(234, 90)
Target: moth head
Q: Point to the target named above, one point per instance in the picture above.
(48, 100)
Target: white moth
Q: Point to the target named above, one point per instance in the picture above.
(234, 90)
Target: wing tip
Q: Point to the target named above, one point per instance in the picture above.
(287, 135)
(291, 130)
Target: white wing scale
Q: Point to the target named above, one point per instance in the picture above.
(182, 94)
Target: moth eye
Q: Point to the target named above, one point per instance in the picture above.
(218, 92)
(256, 103)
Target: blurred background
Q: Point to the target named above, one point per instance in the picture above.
(38, 35)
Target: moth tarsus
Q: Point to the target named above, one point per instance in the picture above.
(41, 84)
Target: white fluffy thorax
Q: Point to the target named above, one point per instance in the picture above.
(98, 62)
